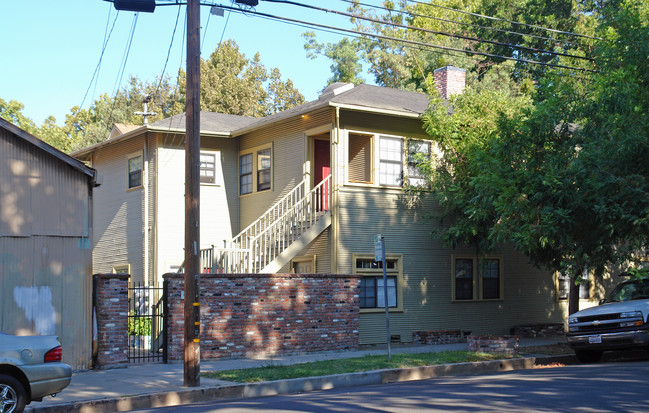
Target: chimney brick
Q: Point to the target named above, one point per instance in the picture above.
(449, 80)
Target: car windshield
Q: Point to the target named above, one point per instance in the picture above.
(630, 290)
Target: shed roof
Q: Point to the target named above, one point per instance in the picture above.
(45, 147)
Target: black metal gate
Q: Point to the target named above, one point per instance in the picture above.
(147, 323)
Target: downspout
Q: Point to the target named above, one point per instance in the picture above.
(146, 208)
(335, 187)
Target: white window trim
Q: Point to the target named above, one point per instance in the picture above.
(121, 269)
(398, 272)
(253, 152)
(128, 158)
(376, 158)
(216, 161)
(477, 280)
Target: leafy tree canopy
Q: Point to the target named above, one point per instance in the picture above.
(561, 176)
(230, 83)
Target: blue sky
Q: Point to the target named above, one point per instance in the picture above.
(50, 49)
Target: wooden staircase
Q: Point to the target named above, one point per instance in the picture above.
(270, 242)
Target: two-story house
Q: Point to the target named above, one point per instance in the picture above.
(306, 190)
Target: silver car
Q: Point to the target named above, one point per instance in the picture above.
(30, 369)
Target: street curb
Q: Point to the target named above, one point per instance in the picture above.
(236, 391)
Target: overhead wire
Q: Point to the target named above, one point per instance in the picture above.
(456, 22)
(101, 56)
(123, 69)
(429, 31)
(431, 4)
(412, 42)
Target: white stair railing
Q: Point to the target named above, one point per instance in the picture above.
(263, 240)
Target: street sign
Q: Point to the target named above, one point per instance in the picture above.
(378, 248)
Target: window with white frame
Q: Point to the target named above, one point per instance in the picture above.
(134, 171)
(372, 287)
(470, 282)
(208, 168)
(245, 174)
(263, 169)
(563, 286)
(255, 170)
(390, 161)
(398, 160)
(418, 152)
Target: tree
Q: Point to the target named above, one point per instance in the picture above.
(560, 179)
(13, 112)
(234, 84)
(457, 25)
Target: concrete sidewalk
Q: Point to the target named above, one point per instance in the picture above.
(143, 386)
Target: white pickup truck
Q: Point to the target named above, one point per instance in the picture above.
(621, 321)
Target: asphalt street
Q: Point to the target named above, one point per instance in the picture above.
(606, 387)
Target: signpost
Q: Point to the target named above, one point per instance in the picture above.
(379, 255)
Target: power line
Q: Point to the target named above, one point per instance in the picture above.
(477, 26)
(503, 20)
(121, 74)
(101, 56)
(408, 27)
(412, 42)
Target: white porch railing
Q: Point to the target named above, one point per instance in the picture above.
(263, 240)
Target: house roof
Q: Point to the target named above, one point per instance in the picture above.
(121, 128)
(363, 97)
(33, 140)
(211, 123)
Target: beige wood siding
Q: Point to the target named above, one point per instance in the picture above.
(45, 255)
(367, 210)
(118, 211)
(288, 140)
(219, 201)
(321, 248)
(374, 123)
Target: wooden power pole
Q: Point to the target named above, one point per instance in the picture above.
(192, 309)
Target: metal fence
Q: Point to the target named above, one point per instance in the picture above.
(147, 327)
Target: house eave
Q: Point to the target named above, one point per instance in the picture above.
(140, 130)
(380, 111)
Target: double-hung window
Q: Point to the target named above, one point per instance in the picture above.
(418, 152)
(255, 170)
(372, 286)
(390, 161)
(563, 286)
(208, 168)
(245, 174)
(383, 160)
(477, 279)
(135, 171)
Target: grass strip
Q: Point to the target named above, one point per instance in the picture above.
(351, 365)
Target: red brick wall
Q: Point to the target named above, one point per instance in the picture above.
(111, 308)
(265, 314)
(449, 80)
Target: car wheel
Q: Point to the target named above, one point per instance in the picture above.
(12, 395)
(588, 356)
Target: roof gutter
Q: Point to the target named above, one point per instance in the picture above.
(142, 129)
(404, 114)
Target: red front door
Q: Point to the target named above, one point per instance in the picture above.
(322, 169)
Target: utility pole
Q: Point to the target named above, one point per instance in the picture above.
(192, 309)
(146, 112)
(192, 305)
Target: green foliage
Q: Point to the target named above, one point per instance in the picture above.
(138, 326)
(230, 83)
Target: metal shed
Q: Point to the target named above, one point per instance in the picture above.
(45, 243)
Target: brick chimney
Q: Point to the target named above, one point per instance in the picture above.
(449, 80)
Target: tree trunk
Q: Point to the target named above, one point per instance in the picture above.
(573, 298)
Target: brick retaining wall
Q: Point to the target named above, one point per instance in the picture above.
(437, 337)
(264, 314)
(493, 344)
(111, 309)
